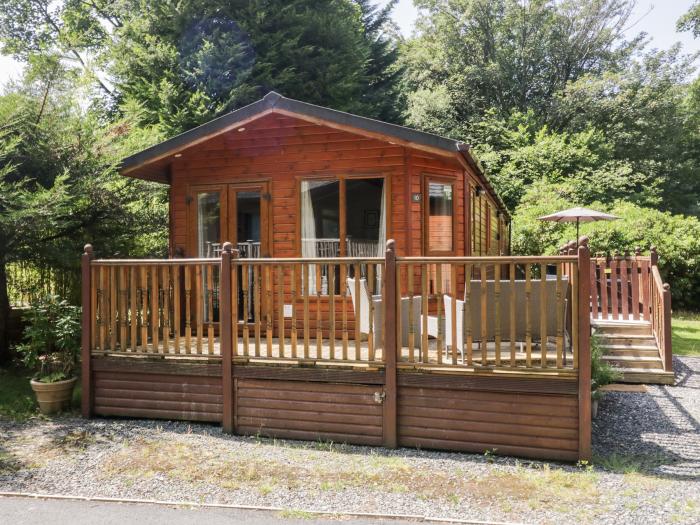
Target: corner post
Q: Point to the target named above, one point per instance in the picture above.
(654, 256)
(86, 403)
(226, 341)
(584, 357)
(668, 349)
(391, 305)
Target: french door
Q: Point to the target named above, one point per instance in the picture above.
(238, 213)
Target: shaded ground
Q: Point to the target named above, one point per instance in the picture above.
(647, 467)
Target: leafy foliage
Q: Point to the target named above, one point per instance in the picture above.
(51, 345)
(676, 237)
(602, 373)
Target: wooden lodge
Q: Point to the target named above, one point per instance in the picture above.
(338, 278)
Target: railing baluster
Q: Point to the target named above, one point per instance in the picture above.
(411, 328)
(280, 312)
(256, 307)
(133, 308)
(294, 298)
(144, 308)
(497, 312)
(424, 309)
(306, 292)
(358, 336)
(560, 316)
(165, 274)
(528, 317)
(513, 297)
(319, 314)
(440, 317)
(453, 312)
(269, 309)
(468, 328)
(199, 312)
(113, 294)
(176, 308)
(245, 283)
(155, 309)
(543, 315)
(188, 308)
(484, 316)
(331, 313)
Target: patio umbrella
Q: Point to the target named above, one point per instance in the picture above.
(578, 215)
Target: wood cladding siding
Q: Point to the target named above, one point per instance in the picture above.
(527, 416)
(343, 413)
(519, 424)
(158, 396)
(283, 150)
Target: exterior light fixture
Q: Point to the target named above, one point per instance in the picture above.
(178, 155)
(241, 129)
(479, 191)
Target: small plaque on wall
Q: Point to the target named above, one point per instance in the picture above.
(416, 197)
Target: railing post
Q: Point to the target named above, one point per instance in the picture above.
(226, 341)
(86, 369)
(390, 347)
(584, 349)
(668, 350)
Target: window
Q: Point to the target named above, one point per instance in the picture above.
(440, 217)
(346, 216)
(361, 233)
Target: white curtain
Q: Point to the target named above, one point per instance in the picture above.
(308, 232)
(381, 241)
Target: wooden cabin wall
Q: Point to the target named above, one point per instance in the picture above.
(285, 150)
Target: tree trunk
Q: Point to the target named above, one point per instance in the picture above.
(4, 316)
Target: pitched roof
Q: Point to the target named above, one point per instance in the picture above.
(152, 163)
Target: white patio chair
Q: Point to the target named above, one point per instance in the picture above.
(378, 320)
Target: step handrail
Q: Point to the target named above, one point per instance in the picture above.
(661, 316)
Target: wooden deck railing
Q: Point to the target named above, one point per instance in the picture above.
(161, 307)
(502, 312)
(661, 317)
(497, 313)
(620, 287)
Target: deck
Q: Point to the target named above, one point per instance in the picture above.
(370, 357)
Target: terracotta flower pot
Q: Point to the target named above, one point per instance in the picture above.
(54, 397)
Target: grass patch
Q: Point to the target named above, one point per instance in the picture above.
(292, 514)
(543, 485)
(685, 333)
(17, 401)
(630, 464)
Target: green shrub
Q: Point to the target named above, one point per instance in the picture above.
(51, 343)
(601, 372)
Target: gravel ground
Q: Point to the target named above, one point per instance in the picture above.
(647, 467)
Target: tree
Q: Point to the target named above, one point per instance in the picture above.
(185, 62)
(691, 20)
(508, 55)
(59, 188)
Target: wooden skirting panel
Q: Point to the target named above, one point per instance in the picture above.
(520, 416)
(345, 413)
(518, 424)
(140, 391)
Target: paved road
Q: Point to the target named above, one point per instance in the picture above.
(29, 511)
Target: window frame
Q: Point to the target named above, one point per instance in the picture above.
(342, 209)
(440, 179)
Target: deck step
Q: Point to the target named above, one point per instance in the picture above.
(623, 361)
(611, 345)
(655, 376)
(631, 351)
(621, 328)
(627, 339)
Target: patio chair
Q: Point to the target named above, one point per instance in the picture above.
(507, 291)
(378, 321)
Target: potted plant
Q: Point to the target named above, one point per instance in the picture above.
(601, 374)
(51, 347)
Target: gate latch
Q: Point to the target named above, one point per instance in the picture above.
(379, 397)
